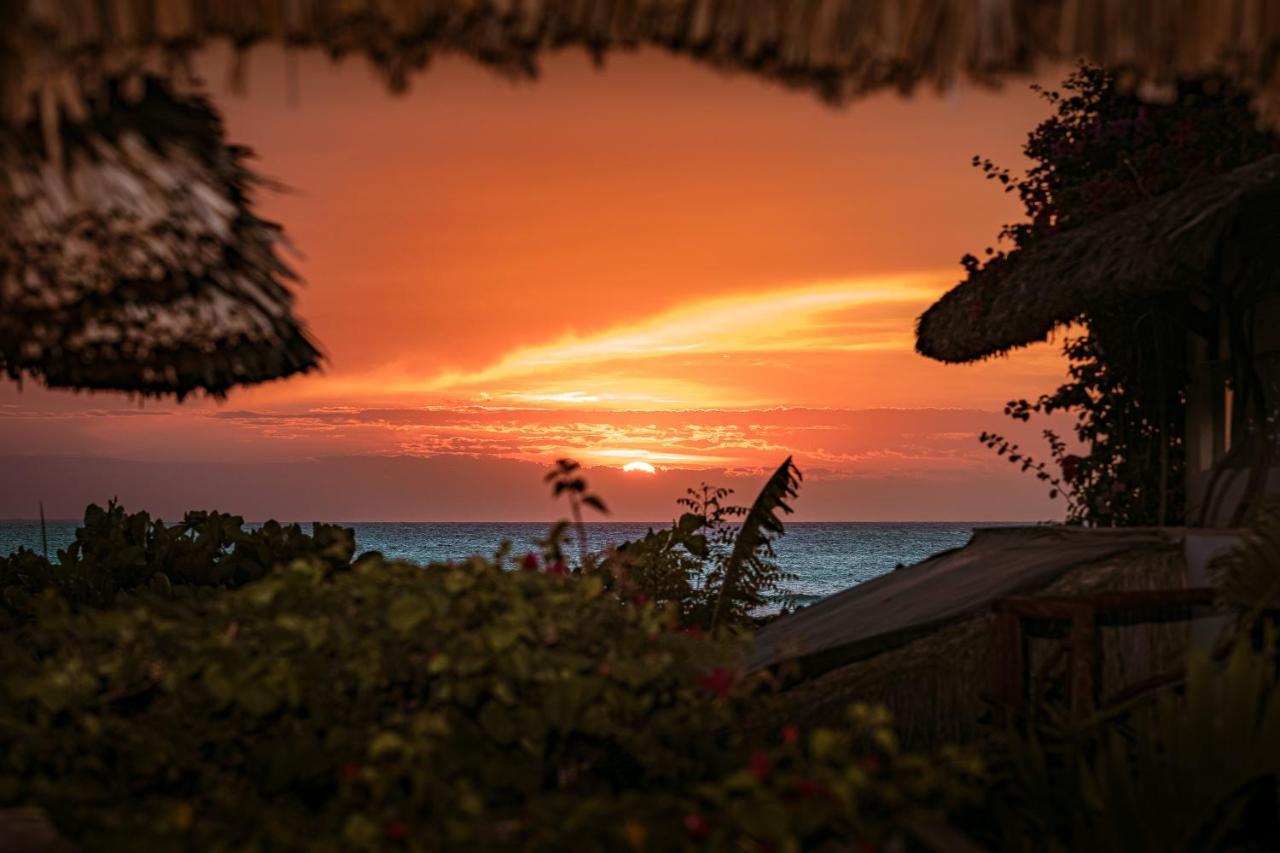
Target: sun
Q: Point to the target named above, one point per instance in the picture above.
(643, 467)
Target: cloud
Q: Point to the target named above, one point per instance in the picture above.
(839, 442)
(670, 359)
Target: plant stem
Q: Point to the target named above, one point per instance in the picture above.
(582, 531)
(44, 533)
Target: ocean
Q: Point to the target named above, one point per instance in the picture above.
(824, 557)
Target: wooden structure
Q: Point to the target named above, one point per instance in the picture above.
(1074, 621)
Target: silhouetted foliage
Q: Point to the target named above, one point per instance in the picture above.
(1102, 151)
(566, 480)
(714, 571)
(115, 552)
(749, 572)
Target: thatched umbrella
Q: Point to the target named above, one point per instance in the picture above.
(130, 258)
(1220, 236)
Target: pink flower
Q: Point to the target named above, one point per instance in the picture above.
(790, 733)
(530, 562)
(558, 568)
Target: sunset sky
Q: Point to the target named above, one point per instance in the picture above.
(650, 262)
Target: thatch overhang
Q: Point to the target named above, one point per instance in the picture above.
(840, 48)
(1215, 236)
(130, 257)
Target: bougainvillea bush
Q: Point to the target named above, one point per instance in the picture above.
(1102, 150)
(383, 705)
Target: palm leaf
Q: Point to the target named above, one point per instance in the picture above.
(746, 567)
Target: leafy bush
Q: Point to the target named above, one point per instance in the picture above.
(115, 551)
(396, 706)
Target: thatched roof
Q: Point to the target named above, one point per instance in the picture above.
(841, 48)
(1221, 232)
(130, 258)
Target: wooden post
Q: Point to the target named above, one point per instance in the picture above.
(1008, 686)
(1083, 662)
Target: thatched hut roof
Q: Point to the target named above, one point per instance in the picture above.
(130, 258)
(841, 48)
(1221, 232)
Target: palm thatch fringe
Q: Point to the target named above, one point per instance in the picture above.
(131, 260)
(934, 686)
(1213, 234)
(839, 48)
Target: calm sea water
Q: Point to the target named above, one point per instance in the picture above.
(825, 557)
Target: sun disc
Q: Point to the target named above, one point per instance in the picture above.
(643, 467)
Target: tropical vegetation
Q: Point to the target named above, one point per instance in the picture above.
(205, 686)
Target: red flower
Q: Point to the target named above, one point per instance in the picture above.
(871, 763)
(718, 681)
(696, 825)
(395, 829)
(790, 733)
(350, 772)
(866, 847)
(640, 599)
(810, 789)
(530, 562)
(694, 631)
(760, 766)
(558, 568)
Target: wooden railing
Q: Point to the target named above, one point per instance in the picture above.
(1075, 621)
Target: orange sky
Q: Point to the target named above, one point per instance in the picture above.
(650, 262)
